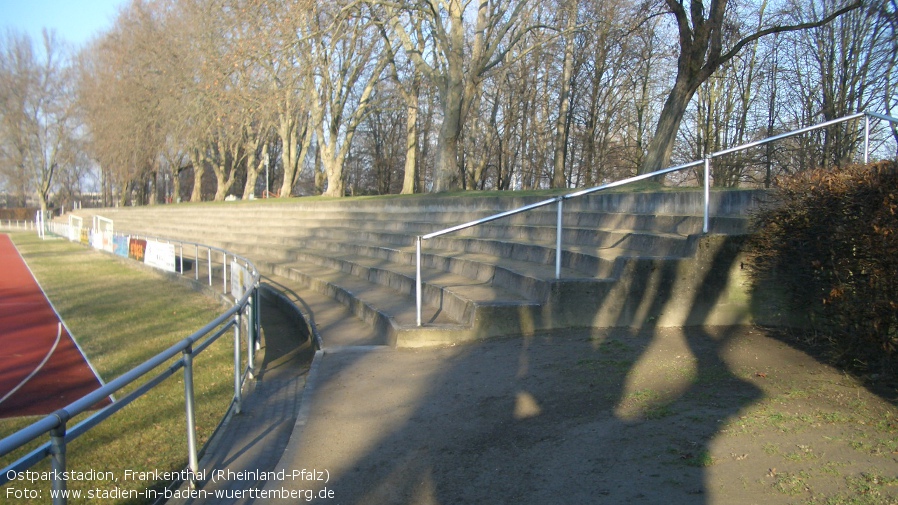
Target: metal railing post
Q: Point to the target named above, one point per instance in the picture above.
(196, 262)
(237, 388)
(257, 312)
(190, 406)
(558, 238)
(418, 277)
(707, 210)
(209, 264)
(57, 463)
(250, 334)
(224, 273)
(866, 139)
(181, 246)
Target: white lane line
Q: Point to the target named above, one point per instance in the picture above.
(38, 369)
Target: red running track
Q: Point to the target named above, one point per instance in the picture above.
(29, 327)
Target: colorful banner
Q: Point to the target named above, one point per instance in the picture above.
(137, 249)
(120, 245)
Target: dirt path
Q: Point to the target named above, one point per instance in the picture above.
(672, 416)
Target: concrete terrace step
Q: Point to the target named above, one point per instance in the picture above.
(381, 291)
(489, 237)
(330, 320)
(589, 249)
(424, 221)
(356, 259)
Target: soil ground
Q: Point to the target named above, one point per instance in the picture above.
(726, 415)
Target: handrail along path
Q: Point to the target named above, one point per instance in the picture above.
(559, 200)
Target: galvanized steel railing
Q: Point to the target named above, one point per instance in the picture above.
(245, 310)
(706, 189)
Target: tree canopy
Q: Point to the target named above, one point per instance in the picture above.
(206, 99)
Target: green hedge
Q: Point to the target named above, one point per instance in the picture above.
(830, 239)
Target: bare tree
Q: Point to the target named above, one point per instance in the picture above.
(278, 48)
(348, 59)
(890, 100)
(457, 63)
(131, 91)
(409, 88)
(701, 53)
(38, 115)
(848, 62)
(17, 76)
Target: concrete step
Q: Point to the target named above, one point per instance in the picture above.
(355, 260)
(330, 320)
(531, 244)
(419, 223)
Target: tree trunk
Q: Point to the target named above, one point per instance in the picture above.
(198, 170)
(333, 168)
(175, 186)
(452, 89)
(445, 175)
(223, 182)
(661, 146)
(287, 130)
(254, 167)
(411, 144)
(152, 188)
(562, 123)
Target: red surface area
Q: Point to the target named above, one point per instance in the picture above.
(28, 331)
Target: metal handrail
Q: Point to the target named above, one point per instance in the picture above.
(55, 424)
(706, 190)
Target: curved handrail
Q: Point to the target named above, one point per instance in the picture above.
(575, 194)
(55, 424)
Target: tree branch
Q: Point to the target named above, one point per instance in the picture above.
(781, 29)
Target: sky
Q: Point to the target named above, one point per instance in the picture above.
(74, 21)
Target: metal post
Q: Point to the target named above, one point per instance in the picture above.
(196, 262)
(418, 277)
(209, 264)
(181, 247)
(224, 273)
(250, 334)
(866, 139)
(707, 221)
(558, 239)
(258, 312)
(57, 463)
(190, 406)
(237, 394)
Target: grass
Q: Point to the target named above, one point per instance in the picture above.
(121, 315)
(637, 187)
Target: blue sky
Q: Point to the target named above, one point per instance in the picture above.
(74, 21)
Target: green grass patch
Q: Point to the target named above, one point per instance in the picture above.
(121, 315)
(646, 186)
(701, 460)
